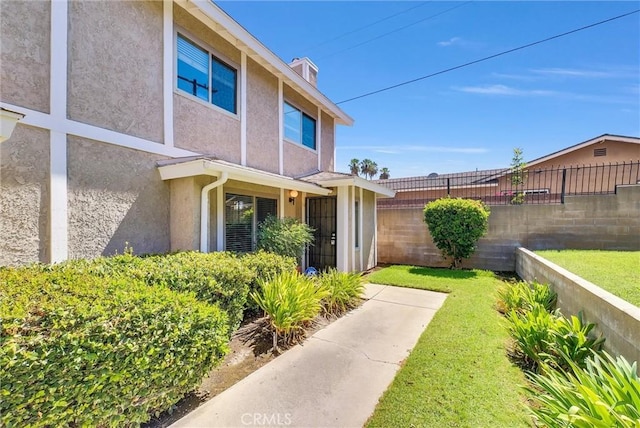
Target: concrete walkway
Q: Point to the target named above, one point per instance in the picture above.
(335, 378)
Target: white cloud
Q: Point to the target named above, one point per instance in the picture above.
(415, 148)
(571, 72)
(451, 41)
(505, 90)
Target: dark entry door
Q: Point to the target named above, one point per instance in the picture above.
(321, 216)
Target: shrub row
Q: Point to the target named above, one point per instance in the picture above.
(577, 384)
(109, 341)
(82, 350)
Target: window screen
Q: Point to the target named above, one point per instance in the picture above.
(193, 69)
(264, 208)
(223, 85)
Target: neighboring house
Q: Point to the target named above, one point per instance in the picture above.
(164, 125)
(594, 166)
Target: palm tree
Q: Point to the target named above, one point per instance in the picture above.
(368, 168)
(384, 173)
(354, 166)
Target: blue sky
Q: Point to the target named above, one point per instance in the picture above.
(541, 99)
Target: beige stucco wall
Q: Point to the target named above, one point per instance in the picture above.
(116, 201)
(262, 118)
(184, 214)
(115, 66)
(617, 151)
(368, 230)
(199, 126)
(328, 143)
(24, 197)
(25, 28)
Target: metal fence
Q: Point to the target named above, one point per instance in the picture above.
(512, 187)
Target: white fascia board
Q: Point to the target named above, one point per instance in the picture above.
(243, 40)
(379, 190)
(238, 173)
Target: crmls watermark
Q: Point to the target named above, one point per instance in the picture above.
(266, 419)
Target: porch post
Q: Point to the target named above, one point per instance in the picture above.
(220, 205)
(342, 228)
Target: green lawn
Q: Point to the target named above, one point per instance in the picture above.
(616, 271)
(458, 375)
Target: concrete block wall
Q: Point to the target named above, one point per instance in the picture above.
(582, 222)
(617, 320)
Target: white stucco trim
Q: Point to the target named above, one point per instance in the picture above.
(46, 121)
(280, 127)
(319, 138)
(375, 230)
(220, 205)
(335, 151)
(360, 228)
(243, 108)
(352, 223)
(58, 212)
(167, 70)
(342, 229)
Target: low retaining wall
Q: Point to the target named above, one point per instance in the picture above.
(617, 320)
(594, 222)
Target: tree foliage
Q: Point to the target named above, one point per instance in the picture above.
(518, 176)
(354, 166)
(456, 225)
(384, 173)
(368, 168)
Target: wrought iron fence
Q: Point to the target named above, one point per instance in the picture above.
(512, 187)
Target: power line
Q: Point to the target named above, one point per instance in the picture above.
(557, 36)
(396, 30)
(386, 18)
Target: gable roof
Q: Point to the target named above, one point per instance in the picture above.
(224, 25)
(600, 139)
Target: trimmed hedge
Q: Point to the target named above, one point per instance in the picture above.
(79, 349)
(218, 278)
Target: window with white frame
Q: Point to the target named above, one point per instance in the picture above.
(299, 127)
(203, 75)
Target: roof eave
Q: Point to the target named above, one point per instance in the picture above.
(379, 190)
(197, 167)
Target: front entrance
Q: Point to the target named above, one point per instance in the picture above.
(321, 216)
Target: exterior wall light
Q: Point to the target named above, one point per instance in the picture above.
(8, 120)
(293, 194)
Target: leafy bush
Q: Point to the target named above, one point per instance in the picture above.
(78, 349)
(217, 278)
(343, 290)
(286, 237)
(543, 337)
(456, 225)
(265, 265)
(290, 300)
(522, 296)
(604, 394)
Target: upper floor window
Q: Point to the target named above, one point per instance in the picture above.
(299, 127)
(205, 76)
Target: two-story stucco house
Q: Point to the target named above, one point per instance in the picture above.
(165, 125)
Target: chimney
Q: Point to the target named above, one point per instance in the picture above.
(305, 68)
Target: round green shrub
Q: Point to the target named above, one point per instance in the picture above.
(287, 236)
(78, 349)
(456, 225)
